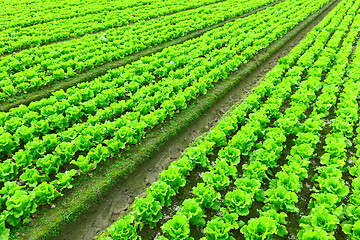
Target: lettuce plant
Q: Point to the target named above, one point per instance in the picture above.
(83, 142)
(84, 164)
(355, 170)
(328, 200)
(147, 210)
(161, 192)
(304, 150)
(207, 197)
(269, 223)
(319, 217)
(45, 193)
(124, 229)
(99, 154)
(259, 228)
(8, 190)
(197, 155)
(8, 170)
(218, 229)
(228, 125)
(177, 228)
(173, 178)
(22, 159)
(192, 210)
(238, 201)
(255, 170)
(315, 234)
(230, 154)
(31, 176)
(282, 199)
(326, 159)
(325, 172)
(336, 145)
(49, 164)
(24, 134)
(251, 186)
(356, 185)
(356, 231)
(218, 181)
(244, 141)
(19, 206)
(334, 185)
(4, 232)
(184, 164)
(218, 137)
(353, 216)
(289, 181)
(64, 179)
(296, 169)
(65, 151)
(222, 167)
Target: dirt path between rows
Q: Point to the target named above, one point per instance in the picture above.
(117, 202)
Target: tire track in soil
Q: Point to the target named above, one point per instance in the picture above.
(117, 202)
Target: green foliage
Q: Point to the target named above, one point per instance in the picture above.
(230, 154)
(282, 199)
(238, 201)
(319, 217)
(193, 211)
(123, 229)
(8, 170)
(147, 210)
(207, 197)
(173, 178)
(177, 228)
(64, 179)
(19, 206)
(218, 181)
(45, 193)
(162, 192)
(4, 232)
(197, 155)
(218, 229)
(315, 234)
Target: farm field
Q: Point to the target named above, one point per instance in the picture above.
(211, 119)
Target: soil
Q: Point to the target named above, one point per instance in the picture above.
(117, 202)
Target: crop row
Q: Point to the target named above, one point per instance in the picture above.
(351, 223)
(327, 204)
(24, 15)
(17, 38)
(34, 68)
(44, 161)
(92, 101)
(308, 137)
(281, 196)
